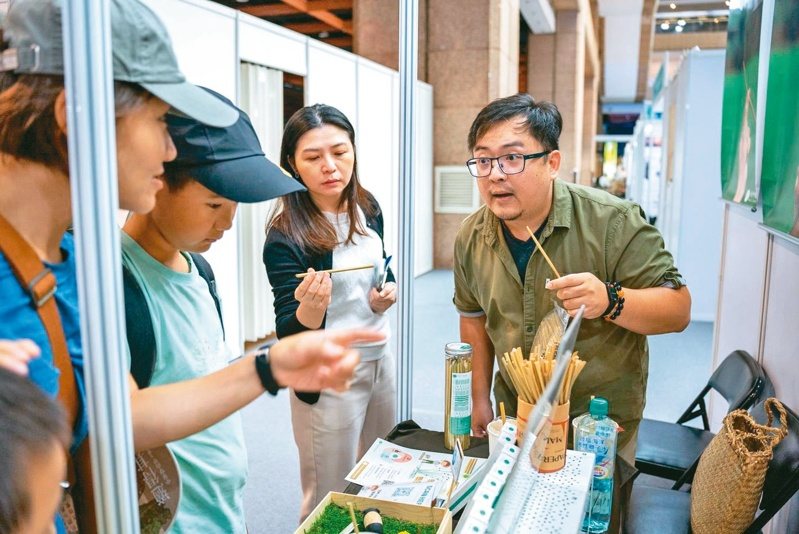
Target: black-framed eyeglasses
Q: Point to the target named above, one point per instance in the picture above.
(508, 164)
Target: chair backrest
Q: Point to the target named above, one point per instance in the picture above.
(782, 478)
(739, 379)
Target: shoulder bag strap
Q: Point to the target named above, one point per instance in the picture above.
(40, 284)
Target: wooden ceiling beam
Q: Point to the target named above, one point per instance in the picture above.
(269, 10)
(341, 42)
(328, 5)
(325, 16)
(308, 27)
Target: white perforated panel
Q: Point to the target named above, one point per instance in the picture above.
(532, 501)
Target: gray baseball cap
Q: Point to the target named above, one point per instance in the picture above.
(140, 45)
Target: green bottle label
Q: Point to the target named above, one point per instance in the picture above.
(460, 414)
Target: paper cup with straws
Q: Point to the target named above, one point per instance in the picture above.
(530, 377)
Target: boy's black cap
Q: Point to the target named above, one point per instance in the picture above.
(228, 161)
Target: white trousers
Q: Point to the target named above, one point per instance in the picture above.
(334, 433)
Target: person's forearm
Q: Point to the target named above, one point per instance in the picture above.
(656, 310)
(310, 317)
(472, 331)
(162, 414)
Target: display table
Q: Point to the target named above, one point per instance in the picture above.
(558, 500)
(409, 434)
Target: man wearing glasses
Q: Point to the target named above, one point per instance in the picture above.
(611, 260)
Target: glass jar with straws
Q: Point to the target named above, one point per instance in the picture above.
(458, 394)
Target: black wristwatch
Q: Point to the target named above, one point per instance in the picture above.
(264, 370)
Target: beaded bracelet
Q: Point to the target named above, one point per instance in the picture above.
(613, 298)
(615, 301)
(619, 294)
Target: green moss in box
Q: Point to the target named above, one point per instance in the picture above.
(335, 518)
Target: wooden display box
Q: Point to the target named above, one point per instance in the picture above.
(408, 512)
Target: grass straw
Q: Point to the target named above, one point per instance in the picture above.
(530, 376)
(352, 516)
(341, 270)
(502, 412)
(546, 256)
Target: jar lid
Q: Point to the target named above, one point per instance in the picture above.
(458, 349)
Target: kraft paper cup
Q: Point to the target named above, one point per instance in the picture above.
(555, 450)
(523, 410)
(494, 429)
(553, 457)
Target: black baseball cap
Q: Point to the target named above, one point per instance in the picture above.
(228, 161)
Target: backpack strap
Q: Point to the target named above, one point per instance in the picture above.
(205, 270)
(139, 323)
(40, 284)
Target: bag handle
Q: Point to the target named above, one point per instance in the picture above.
(40, 284)
(775, 434)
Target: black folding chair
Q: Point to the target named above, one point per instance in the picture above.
(668, 450)
(668, 511)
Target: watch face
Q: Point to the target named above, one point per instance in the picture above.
(264, 370)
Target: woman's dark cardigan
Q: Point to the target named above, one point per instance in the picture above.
(285, 258)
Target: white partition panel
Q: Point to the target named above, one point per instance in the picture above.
(271, 45)
(780, 347)
(423, 180)
(331, 80)
(781, 339)
(740, 302)
(698, 180)
(376, 136)
(204, 37)
(210, 40)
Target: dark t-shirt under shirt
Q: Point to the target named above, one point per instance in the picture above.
(521, 250)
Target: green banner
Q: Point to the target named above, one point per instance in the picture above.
(739, 108)
(780, 174)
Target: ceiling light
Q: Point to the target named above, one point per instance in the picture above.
(664, 26)
(681, 22)
(727, 3)
(678, 29)
(673, 5)
(716, 20)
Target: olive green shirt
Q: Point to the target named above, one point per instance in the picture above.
(587, 230)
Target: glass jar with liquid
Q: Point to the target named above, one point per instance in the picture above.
(458, 394)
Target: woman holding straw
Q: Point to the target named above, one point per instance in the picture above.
(336, 223)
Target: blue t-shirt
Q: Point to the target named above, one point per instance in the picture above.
(18, 319)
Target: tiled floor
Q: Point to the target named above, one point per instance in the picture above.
(679, 368)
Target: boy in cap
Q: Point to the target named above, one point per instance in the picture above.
(215, 169)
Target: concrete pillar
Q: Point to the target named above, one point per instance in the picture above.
(468, 52)
(473, 54)
(541, 66)
(375, 33)
(590, 125)
(569, 88)
(563, 68)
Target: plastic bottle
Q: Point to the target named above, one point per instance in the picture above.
(595, 432)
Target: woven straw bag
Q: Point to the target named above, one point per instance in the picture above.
(729, 478)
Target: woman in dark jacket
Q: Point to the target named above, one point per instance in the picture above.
(335, 223)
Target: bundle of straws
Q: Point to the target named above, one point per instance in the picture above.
(531, 376)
